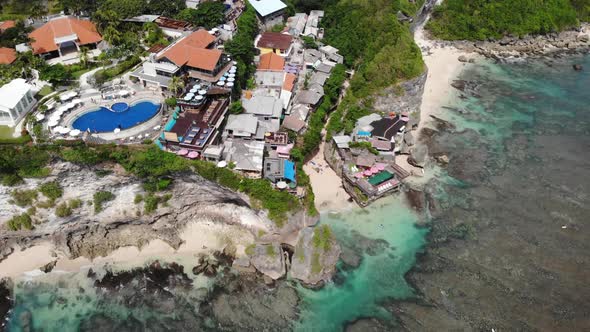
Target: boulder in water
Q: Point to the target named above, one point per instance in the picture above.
(578, 67)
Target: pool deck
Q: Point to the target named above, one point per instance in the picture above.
(143, 128)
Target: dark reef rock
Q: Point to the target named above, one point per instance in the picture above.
(5, 300)
(48, 267)
(578, 67)
(367, 325)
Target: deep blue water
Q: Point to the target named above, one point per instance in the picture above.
(105, 120)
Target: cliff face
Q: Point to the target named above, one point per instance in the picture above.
(125, 220)
(311, 263)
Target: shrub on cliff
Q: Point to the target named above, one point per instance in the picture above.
(51, 190)
(101, 197)
(19, 222)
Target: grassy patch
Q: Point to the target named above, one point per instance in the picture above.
(63, 210)
(250, 249)
(6, 132)
(322, 237)
(75, 203)
(24, 198)
(44, 92)
(101, 197)
(19, 222)
(270, 251)
(138, 198)
(316, 266)
(51, 190)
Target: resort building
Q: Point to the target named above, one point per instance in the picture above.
(275, 42)
(269, 12)
(279, 169)
(4, 25)
(60, 40)
(196, 127)
(312, 26)
(16, 100)
(246, 156)
(7, 55)
(192, 55)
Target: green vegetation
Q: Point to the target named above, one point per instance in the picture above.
(240, 47)
(151, 203)
(482, 19)
(101, 197)
(278, 28)
(322, 237)
(171, 102)
(236, 107)
(208, 14)
(63, 210)
(316, 265)
(24, 197)
(154, 35)
(108, 74)
(44, 92)
(309, 42)
(364, 145)
(270, 251)
(250, 249)
(138, 198)
(19, 222)
(51, 190)
(75, 203)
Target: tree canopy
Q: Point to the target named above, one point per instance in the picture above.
(483, 19)
(208, 14)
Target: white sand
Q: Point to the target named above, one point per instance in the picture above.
(443, 67)
(327, 185)
(199, 237)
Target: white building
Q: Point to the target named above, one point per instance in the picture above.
(16, 100)
(270, 12)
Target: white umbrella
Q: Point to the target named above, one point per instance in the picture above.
(231, 75)
(131, 138)
(157, 127)
(68, 95)
(281, 184)
(221, 83)
(77, 101)
(40, 116)
(71, 105)
(123, 93)
(117, 130)
(57, 129)
(52, 123)
(199, 97)
(222, 164)
(64, 130)
(233, 68)
(235, 62)
(202, 92)
(74, 132)
(194, 89)
(50, 106)
(62, 108)
(187, 97)
(231, 79)
(229, 85)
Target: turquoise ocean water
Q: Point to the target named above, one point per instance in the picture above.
(528, 99)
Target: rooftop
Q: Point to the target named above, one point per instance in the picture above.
(263, 106)
(387, 127)
(275, 40)
(242, 124)
(247, 155)
(7, 55)
(269, 78)
(267, 7)
(7, 25)
(12, 93)
(292, 122)
(192, 51)
(169, 23)
(307, 97)
(271, 61)
(62, 29)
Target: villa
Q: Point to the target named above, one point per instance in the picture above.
(279, 169)
(16, 100)
(246, 156)
(274, 42)
(192, 55)
(60, 40)
(7, 55)
(269, 12)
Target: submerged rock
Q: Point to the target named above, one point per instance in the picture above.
(578, 67)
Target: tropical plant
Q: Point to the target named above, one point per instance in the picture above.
(176, 84)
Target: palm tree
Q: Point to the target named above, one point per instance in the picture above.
(176, 84)
(84, 56)
(111, 35)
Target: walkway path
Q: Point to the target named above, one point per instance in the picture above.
(84, 78)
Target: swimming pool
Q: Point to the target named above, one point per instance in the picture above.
(105, 120)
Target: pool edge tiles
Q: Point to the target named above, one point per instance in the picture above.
(105, 120)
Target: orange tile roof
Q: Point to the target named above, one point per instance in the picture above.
(271, 61)
(7, 25)
(289, 82)
(275, 40)
(192, 51)
(43, 37)
(7, 55)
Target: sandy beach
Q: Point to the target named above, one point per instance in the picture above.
(199, 237)
(327, 185)
(443, 67)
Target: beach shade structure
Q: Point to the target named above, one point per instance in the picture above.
(50, 106)
(194, 89)
(199, 97)
(221, 83)
(77, 101)
(64, 130)
(157, 127)
(231, 75)
(187, 98)
(62, 108)
(193, 155)
(222, 78)
(405, 119)
(359, 175)
(405, 113)
(68, 95)
(131, 138)
(182, 152)
(231, 79)
(229, 84)
(235, 63)
(123, 93)
(222, 164)
(117, 130)
(233, 68)
(281, 184)
(71, 105)
(202, 92)
(39, 116)
(374, 170)
(380, 166)
(52, 122)
(75, 132)
(367, 173)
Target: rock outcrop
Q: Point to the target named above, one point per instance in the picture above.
(314, 260)
(269, 260)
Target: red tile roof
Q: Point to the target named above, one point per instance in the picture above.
(7, 25)
(192, 51)
(289, 82)
(44, 37)
(272, 62)
(275, 40)
(7, 55)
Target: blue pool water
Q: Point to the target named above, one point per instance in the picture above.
(120, 107)
(105, 120)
